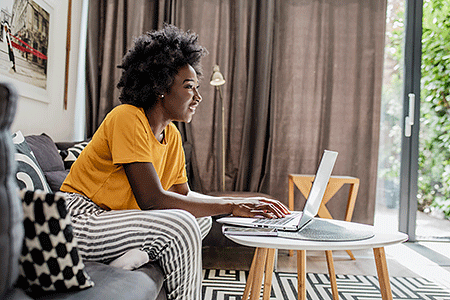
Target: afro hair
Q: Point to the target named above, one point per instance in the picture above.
(150, 66)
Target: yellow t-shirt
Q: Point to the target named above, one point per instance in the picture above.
(124, 137)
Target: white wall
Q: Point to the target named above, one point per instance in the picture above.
(36, 117)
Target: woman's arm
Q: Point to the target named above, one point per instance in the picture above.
(149, 194)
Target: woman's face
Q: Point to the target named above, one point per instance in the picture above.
(183, 98)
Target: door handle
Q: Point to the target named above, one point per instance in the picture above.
(409, 119)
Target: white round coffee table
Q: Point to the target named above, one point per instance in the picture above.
(263, 260)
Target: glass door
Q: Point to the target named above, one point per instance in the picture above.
(414, 161)
(391, 119)
(433, 216)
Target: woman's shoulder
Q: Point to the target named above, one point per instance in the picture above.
(125, 111)
(173, 127)
(172, 132)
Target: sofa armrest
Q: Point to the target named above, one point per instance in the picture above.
(11, 227)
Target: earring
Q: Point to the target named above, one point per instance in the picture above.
(162, 96)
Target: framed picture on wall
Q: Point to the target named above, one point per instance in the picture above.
(24, 46)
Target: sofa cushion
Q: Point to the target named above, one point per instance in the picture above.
(16, 294)
(71, 154)
(29, 174)
(46, 153)
(50, 260)
(117, 284)
(56, 178)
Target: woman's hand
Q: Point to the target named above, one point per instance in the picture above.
(256, 206)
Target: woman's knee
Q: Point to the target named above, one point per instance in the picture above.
(186, 225)
(205, 224)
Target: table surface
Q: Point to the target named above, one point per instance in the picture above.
(380, 239)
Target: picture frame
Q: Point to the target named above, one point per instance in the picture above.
(31, 40)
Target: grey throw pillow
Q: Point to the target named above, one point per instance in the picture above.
(46, 153)
(29, 174)
(56, 178)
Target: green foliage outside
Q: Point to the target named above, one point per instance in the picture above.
(434, 147)
(434, 151)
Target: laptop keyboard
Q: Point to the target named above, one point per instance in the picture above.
(279, 221)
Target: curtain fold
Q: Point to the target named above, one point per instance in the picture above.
(112, 26)
(256, 127)
(302, 76)
(104, 46)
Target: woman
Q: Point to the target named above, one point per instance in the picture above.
(127, 192)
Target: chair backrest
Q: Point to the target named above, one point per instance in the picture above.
(11, 228)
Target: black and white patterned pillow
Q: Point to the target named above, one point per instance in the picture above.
(50, 260)
(29, 174)
(71, 154)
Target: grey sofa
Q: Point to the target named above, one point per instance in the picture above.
(110, 282)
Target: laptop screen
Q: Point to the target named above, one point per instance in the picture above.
(320, 183)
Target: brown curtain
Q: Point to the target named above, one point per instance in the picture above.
(302, 76)
(112, 26)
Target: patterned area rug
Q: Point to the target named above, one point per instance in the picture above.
(230, 284)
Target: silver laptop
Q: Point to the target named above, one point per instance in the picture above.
(296, 220)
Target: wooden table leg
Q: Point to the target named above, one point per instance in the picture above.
(250, 277)
(258, 272)
(352, 257)
(291, 203)
(332, 274)
(268, 273)
(301, 274)
(383, 276)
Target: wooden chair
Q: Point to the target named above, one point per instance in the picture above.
(304, 183)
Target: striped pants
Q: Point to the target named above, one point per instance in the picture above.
(172, 237)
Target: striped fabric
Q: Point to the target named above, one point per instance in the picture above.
(170, 237)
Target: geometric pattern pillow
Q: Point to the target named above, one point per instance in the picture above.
(71, 154)
(50, 260)
(29, 174)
